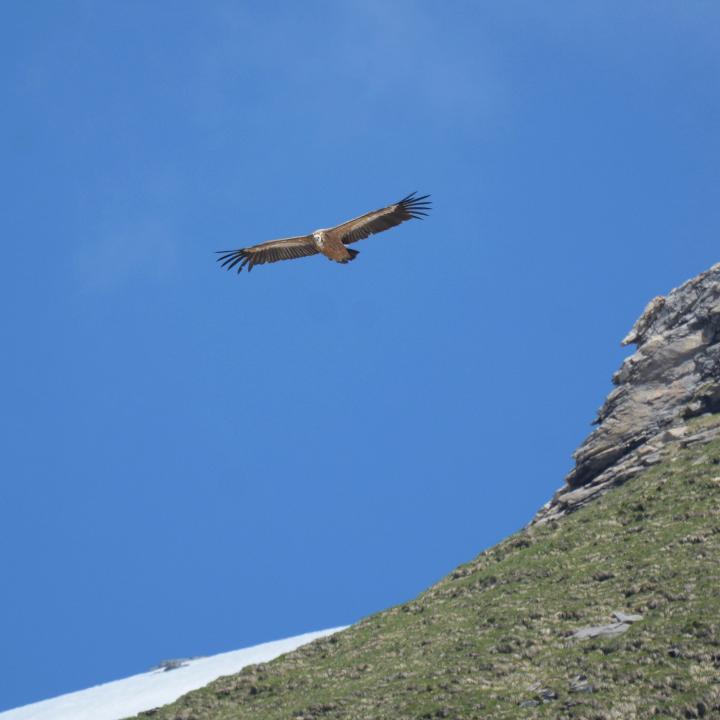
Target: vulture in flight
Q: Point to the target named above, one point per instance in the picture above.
(331, 242)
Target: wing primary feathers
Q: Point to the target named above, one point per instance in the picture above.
(416, 207)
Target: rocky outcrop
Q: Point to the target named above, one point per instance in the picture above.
(673, 376)
(622, 622)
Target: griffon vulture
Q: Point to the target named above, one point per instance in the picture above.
(330, 242)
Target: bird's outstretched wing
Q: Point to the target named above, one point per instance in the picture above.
(268, 252)
(374, 222)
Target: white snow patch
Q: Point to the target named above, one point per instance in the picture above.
(123, 698)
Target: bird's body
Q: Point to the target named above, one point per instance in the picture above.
(332, 247)
(330, 242)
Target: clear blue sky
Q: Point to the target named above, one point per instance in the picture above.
(194, 461)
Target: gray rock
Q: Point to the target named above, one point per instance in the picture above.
(674, 375)
(174, 664)
(547, 694)
(626, 618)
(529, 703)
(616, 628)
(580, 684)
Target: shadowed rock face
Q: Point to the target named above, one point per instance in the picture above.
(673, 376)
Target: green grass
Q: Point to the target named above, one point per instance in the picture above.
(493, 637)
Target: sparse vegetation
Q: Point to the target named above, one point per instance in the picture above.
(492, 639)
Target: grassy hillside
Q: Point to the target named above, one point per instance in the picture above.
(493, 639)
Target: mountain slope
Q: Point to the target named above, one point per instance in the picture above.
(495, 638)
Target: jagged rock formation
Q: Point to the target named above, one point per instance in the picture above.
(673, 376)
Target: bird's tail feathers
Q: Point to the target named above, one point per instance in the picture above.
(352, 255)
